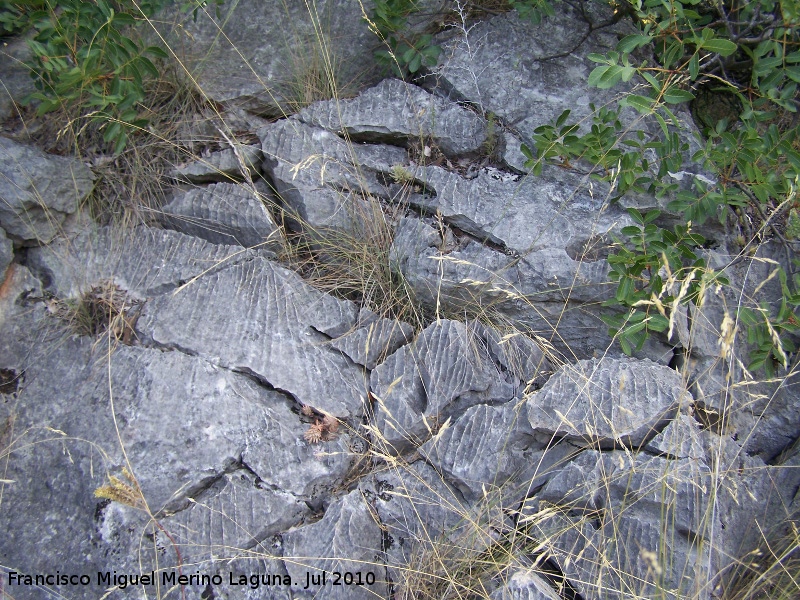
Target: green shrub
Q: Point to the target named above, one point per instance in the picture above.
(87, 58)
(405, 52)
(751, 52)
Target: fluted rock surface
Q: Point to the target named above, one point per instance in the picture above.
(396, 112)
(445, 371)
(348, 539)
(142, 261)
(39, 191)
(280, 333)
(608, 403)
(224, 213)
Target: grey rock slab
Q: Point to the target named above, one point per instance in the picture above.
(545, 292)
(603, 515)
(347, 539)
(143, 261)
(374, 339)
(220, 419)
(23, 320)
(491, 450)
(239, 512)
(224, 213)
(395, 112)
(558, 209)
(520, 354)
(38, 192)
(668, 525)
(267, 57)
(759, 411)
(323, 179)
(217, 420)
(681, 438)
(6, 254)
(267, 322)
(608, 402)
(258, 577)
(525, 585)
(224, 165)
(446, 370)
(528, 74)
(512, 154)
(186, 426)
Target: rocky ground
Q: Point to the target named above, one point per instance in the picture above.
(177, 402)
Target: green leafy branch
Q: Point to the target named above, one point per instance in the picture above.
(405, 52)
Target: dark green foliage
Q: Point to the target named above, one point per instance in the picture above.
(533, 10)
(405, 52)
(88, 59)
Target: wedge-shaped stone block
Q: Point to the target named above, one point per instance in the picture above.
(323, 180)
(38, 191)
(224, 213)
(445, 371)
(222, 165)
(262, 319)
(238, 512)
(394, 112)
(608, 403)
(491, 451)
(348, 539)
(374, 340)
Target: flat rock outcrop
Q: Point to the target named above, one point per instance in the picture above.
(607, 403)
(71, 267)
(226, 165)
(314, 172)
(526, 73)
(228, 57)
(281, 334)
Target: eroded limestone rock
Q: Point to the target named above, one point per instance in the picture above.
(607, 403)
(224, 213)
(395, 112)
(38, 192)
(348, 539)
(445, 371)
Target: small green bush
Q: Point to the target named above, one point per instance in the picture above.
(405, 52)
(87, 58)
